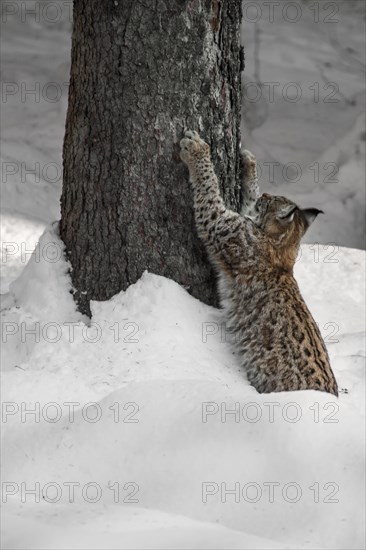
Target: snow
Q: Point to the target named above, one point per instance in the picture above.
(140, 400)
(154, 366)
(304, 114)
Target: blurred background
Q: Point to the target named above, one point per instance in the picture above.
(304, 109)
(303, 114)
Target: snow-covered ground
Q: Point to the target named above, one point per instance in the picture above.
(132, 436)
(147, 411)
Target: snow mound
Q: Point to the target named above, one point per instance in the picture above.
(44, 287)
(146, 414)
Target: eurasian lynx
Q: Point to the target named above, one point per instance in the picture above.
(279, 343)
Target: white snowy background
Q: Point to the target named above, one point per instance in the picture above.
(165, 461)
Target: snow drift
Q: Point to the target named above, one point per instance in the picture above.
(140, 430)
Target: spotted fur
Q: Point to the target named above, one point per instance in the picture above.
(276, 337)
(250, 187)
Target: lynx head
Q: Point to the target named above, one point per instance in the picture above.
(284, 223)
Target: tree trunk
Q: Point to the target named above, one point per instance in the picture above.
(141, 73)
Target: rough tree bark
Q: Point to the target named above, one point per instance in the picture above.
(141, 73)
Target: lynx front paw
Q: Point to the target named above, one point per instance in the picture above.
(249, 183)
(249, 164)
(249, 161)
(192, 147)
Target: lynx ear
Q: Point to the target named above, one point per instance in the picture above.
(286, 215)
(310, 214)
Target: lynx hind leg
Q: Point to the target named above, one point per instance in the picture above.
(250, 187)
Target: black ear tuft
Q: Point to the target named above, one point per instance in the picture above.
(310, 214)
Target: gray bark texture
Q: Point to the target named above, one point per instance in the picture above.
(141, 73)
